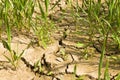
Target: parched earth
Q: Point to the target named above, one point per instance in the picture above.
(63, 59)
(58, 61)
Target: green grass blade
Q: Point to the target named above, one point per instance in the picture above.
(55, 4)
(75, 69)
(101, 59)
(42, 11)
(9, 34)
(46, 5)
(118, 77)
(106, 74)
(21, 54)
(14, 56)
(6, 45)
(9, 60)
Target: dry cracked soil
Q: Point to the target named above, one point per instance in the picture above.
(61, 60)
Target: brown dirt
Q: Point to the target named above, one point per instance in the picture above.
(59, 60)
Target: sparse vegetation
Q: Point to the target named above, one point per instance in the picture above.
(100, 18)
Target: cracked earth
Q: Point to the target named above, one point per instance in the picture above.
(61, 60)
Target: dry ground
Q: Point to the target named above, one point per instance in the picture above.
(58, 60)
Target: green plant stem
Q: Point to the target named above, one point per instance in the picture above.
(101, 58)
(102, 54)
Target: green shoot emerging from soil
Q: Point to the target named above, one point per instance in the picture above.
(14, 57)
(103, 18)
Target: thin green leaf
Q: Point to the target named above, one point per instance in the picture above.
(6, 45)
(118, 77)
(14, 55)
(42, 11)
(79, 44)
(55, 4)
(9, 60)
(50, 73)
(40, 67)
(75, 69)
(36, 64)
(106, 74)
(21, 54)
(101, 58)
(46, 5)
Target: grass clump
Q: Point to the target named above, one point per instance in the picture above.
(17, 12)
(20, 15)
(14, 14)
(14, 56)
(102, 18)
(43, 26)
